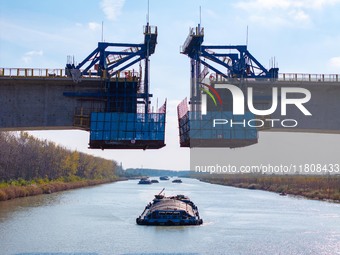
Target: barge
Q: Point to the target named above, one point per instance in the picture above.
(174, 210)
(164, 178)
(144, 181)
(177, 181)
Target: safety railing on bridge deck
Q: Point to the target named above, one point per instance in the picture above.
(288, 77)
(32, 72)
(57, 73)
(300, 77)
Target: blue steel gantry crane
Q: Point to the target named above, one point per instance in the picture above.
(117, 111)
(212, 65)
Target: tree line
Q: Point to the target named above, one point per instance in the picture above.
(23, 156)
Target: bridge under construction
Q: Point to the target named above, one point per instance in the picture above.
(224, 77)
(108, 95)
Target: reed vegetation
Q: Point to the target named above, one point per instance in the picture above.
(320, 187)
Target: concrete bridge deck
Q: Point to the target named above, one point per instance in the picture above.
(33, 99)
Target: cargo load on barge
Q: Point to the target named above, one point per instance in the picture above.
(173, 210)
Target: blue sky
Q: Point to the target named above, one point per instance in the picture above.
(302, 35)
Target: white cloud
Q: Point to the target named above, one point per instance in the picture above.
(210, 13)
(28, 35)
(34, 53)
(94, 26)
(283, 12)
(255, 5)
(335, 63)
(30, 54)
(262, 20)
(319, 4)
(299, 16)
(112, 8)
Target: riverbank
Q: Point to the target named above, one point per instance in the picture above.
(325, 188)
(22, 188)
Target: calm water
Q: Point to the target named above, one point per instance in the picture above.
(101, 220)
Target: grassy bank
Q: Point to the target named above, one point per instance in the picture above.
(312, 187)
(22, 188)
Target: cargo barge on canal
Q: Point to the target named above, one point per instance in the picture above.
(174, 210)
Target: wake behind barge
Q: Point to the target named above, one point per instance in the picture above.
(174, 210)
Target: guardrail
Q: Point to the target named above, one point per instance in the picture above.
(288, 77)
(32, 72)
(55, 73)
(298, 77)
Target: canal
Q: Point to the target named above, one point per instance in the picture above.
(101, 220)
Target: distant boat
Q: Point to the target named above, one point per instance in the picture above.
(154, 181)
(283, 193)
(174, 210)
(164, 178)
(144, 181)
(177, 181)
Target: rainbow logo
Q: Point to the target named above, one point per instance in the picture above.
(213, 94)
